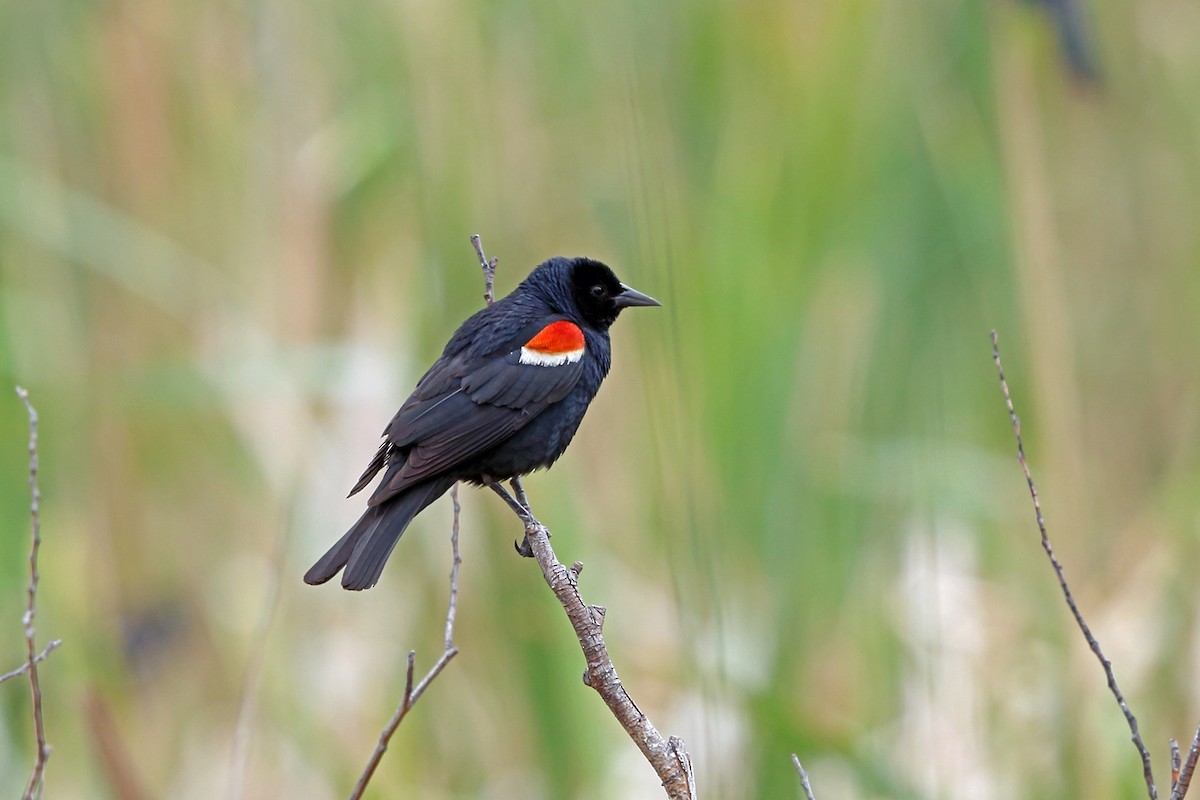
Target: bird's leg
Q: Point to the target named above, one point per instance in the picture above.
(521, 511)
(523, 548)
(519, 491)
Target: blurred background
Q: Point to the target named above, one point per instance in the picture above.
(233, 235)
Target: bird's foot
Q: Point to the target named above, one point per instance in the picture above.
(520, 507)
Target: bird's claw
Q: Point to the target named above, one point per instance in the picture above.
(523, 549)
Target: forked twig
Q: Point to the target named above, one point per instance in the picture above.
(34, 787)
(21, 670)
(1066, 590)
(413, 693)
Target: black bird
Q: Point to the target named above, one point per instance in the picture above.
(504, 399)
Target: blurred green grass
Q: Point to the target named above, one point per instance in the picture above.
(233, 234)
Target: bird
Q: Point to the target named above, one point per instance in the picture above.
(505, 398)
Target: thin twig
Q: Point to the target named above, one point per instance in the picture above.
(808, 792)
(413, 694)
(1176, 763)
(449, 639)
(1066, 590)
(34, 787)
(21, 670)
(489, 270)
(1189, 769)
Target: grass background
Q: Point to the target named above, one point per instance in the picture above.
(232, 235)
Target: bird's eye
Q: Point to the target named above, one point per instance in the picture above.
(598, 290)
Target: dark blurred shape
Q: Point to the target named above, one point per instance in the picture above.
(148, 634)
(1073, 39)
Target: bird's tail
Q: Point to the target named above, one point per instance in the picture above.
(366, 546)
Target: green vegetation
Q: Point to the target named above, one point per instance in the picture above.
(232, 235)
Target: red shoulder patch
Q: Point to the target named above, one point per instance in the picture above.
(557, 337)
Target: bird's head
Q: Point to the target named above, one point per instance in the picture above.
(585, 288)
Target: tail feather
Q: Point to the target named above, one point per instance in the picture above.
(336, 557)
(365, 548)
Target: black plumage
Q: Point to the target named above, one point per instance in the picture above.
(504, 399)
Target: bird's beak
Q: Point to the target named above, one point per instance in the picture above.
(632, 297)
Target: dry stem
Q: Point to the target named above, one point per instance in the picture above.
(489, 270)
(1066, 590)
(34, 787)
(808, 792)
(21, 670)
(1180, 787)
(413, 694)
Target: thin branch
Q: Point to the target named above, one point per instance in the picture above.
(450, 613)
(489, 270)
(808, 792)
(1066, 590)
(1176, 763)
(34, 787)
(21, 670)
(1189, 769)
(668, 757)
(413, 694)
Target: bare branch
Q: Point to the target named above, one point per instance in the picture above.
(1180, 788)
(1066, 590)
(449, 639)
(489, 270)
(34, 787)
(1176, 763)
(21, 670)
(808, 792)
(668, 757)
(413, 694)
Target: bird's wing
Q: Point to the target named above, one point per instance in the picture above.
(440, 427)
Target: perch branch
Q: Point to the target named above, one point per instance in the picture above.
(808, 792)
(34, 787)
(1066, 590)
(413, 693)
(668, 756)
